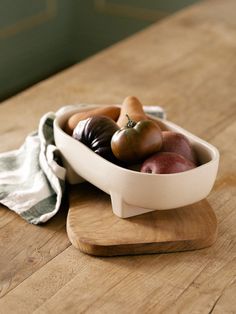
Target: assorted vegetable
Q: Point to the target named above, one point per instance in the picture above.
(129, 138)
(166, 162)
(112, 112)
(178, 143)
(96, 133)
(136, 141)
(132, 107)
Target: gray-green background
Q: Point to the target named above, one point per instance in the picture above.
(41, 37)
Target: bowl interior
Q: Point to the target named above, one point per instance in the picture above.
(205, 151)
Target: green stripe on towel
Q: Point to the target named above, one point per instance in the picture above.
(34, 213)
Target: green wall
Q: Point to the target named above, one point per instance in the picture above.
(41, 37)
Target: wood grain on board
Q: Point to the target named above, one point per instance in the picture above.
(94, 229)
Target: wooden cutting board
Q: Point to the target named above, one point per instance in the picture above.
(94, 229)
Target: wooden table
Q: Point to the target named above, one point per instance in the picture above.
(187, 64)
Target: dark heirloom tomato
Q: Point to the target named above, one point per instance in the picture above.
(96, 133)
(136, 141)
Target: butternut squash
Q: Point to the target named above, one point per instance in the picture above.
(108, 111)
(132, 107)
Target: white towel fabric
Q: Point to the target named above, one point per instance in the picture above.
(32, 181)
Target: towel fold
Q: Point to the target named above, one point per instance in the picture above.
(32, 179)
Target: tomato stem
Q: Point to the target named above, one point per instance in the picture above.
(130, 123)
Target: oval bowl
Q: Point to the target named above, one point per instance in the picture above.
(133, 193)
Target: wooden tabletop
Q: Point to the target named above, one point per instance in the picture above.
(187, 64)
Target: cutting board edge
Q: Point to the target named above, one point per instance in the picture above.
(85, 246)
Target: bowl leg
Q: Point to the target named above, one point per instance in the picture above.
(124, 210)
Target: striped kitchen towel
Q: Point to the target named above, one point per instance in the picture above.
(32, 180)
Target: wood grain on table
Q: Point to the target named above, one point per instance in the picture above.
(187, 64)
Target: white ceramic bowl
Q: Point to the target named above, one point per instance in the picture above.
(133, 193)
